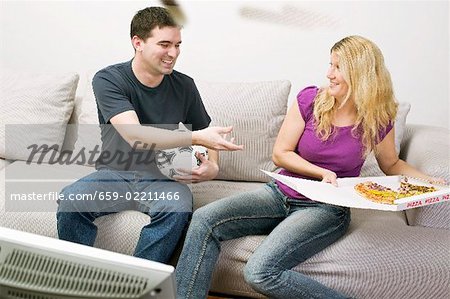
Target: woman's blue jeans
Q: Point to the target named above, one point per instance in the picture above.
(296, 231)
(115, 191)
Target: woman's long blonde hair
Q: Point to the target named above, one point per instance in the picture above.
(369, 84)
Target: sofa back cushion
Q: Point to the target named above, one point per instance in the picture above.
(35, 109)
(86, 132)
(370, 167)
(256, 111)
(428, 149)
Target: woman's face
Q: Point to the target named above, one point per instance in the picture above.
(338, 87)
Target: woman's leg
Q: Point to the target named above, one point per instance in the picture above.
(251, 213)
(309, 228)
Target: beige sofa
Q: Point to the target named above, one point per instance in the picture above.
(383, 255)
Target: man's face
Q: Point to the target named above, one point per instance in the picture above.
(161, 50)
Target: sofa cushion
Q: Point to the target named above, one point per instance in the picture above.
(120, 232)
(23, 180)
(262, 106)
(256, 112)
(117, 232)
(87, 130)
(35, 110)
(370, 167)
(41, 223)
(87, 107)
(207, 192)
(428, 149)
(88, 141)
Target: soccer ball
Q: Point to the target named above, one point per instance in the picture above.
(170, 160)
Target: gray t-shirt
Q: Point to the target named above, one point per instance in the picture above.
(116, 88)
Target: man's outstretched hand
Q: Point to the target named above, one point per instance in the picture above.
(216, 138)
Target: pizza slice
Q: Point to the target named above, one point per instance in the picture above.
(407, 189)
(376, 192)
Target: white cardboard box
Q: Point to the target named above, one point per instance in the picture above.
(345, 194)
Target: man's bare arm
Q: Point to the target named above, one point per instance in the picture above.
(128, 125)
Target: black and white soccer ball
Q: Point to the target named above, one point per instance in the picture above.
(170, 160)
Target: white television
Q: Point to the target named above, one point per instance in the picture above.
(38, 267)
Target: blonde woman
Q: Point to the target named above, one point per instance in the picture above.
(326, 134)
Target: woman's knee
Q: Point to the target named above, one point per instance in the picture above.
(201, 216)
(210, 214)
(204, 220)
(258, 275)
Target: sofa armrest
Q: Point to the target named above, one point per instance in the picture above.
(427, 148)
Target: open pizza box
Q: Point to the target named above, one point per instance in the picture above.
(345, 194)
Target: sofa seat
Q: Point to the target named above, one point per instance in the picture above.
(370, 261)
(117, 232)
(21, 214)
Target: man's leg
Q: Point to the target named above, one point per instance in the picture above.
(85, 200)
(169, 205)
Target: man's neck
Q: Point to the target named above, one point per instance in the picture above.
(145, 76)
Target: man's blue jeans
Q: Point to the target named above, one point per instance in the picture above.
(296, 231)
(168, 203)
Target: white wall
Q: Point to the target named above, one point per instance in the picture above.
(244, 41)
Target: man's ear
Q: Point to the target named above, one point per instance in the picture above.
(137, 43)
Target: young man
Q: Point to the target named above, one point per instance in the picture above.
(132, 97)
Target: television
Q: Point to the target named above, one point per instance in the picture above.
(38, 267)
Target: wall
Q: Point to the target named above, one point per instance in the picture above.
(244, 41)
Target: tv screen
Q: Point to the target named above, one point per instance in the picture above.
(38, 267)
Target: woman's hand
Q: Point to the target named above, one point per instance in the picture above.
(436, 180)
(329, 176)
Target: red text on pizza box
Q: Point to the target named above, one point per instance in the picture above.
(422, 200)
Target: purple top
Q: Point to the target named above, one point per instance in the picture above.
(342, 153)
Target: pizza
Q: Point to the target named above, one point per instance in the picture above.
(381, 194)
(407, 189)
(376, 192)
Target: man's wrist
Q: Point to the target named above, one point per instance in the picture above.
(195, 138)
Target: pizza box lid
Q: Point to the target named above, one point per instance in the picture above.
(345, 194)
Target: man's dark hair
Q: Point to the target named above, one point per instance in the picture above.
(149, 18)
